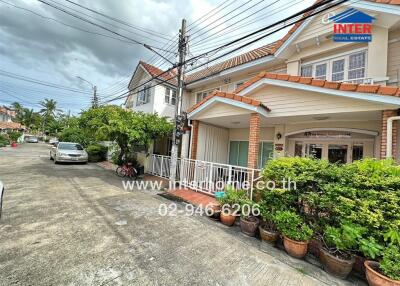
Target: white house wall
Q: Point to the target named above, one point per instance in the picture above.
(162, 108)
(292, 102)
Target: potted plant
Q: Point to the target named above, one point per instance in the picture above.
(267, 228)
(387, 272)
(230, 205)
(248, 222)
(337, 245)
(296, 233)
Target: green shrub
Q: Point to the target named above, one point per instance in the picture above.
(76, 135)
(97, 152)
(390, 264)
(364, 193)
(4, 140)
(14, 135)
(292, 226)
(233, 196)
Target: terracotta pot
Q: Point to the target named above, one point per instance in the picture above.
(359, 264)
(297, 249)
(268, 236)
(227, 219)
(336, 266)
(249, 225)
(214, 212)
(375, 278)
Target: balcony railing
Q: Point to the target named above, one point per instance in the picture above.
(203, 176)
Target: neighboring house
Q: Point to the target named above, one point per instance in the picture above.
(302, 95)
(6, 116)
(160, 99)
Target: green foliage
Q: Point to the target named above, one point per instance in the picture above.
(233, 196)
(343, 238)
(97, 152)
(14, 135)
(392, 236)
(127, 129)
(390, 264)
(365, 193)
(4, 140)
(370, 248)
(75, 134)
(291, 225)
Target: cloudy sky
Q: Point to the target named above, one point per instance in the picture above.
(41, 43)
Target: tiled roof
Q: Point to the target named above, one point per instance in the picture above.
(155, 72)
(354, 87)
(231, 96)
(10, 125)
(233, 62)
(392, 2)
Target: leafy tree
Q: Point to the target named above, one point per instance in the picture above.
(128, 129)
(49, 108)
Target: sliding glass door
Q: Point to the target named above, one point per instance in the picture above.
(239, 150)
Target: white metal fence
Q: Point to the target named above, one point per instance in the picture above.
(203, 176)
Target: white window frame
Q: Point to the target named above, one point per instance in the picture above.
(143, 96)
(204, 93)
(329, 61)
(170, 94)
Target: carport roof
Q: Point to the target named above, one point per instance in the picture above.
(230, 96)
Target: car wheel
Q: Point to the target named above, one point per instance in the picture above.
(55, 161)
(51, 158)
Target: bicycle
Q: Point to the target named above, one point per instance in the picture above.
(126, 170)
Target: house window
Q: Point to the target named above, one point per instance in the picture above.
(238, 152)
(357, 67)
(170, 96)
(338, 70)
(320, 71)
(143, 96)
(306, 70)
(349, 67)
(202, 94)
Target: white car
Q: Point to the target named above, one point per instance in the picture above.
(68, 152)
(1, 196)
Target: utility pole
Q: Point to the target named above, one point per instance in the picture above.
(178, 130)
(95, 101)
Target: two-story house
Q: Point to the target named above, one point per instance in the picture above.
(153, 97)
(7, 115)
(303, 95)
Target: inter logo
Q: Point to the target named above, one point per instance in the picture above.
(352, 26)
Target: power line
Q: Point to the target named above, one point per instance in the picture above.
(166, 37)
(305, 14)
(149, 47)
(36, 81)
(65, 24)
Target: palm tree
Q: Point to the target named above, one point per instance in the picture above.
(49, 108)
(28, 118)
(19, 110)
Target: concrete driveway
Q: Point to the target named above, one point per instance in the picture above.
(75, 225)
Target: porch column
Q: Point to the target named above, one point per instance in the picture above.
(385, 115)
(254, 140)
(195, 137)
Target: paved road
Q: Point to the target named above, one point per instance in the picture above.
(75, 225)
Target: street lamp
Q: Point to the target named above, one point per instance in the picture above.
(95, 100)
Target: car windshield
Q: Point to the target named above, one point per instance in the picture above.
(69, 146)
